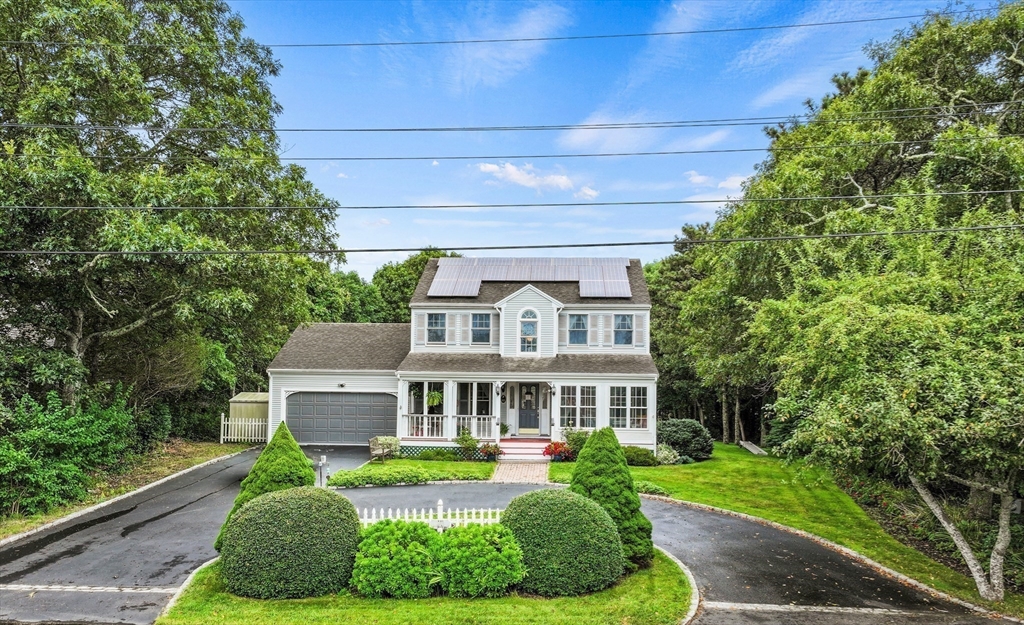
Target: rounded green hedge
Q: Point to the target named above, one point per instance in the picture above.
(570, 544)
(687, 437)
(640, 457)
(289, 544)
(396, 559)
(479, 561)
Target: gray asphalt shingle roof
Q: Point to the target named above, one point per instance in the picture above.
(564, 292)
(345, 347)
(562, 363)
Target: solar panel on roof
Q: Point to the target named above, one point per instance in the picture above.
(597, 277)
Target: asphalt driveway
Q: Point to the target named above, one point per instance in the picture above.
(122, 563)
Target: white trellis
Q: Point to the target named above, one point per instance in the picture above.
(437, 518)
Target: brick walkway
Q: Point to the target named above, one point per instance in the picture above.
(521, 473)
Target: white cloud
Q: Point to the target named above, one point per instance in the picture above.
(662, 53)
(586, 193)
(697, 178)
(526, 176)
(700, 142)
(342, 175)
(775, 47)
(800, 87)
(610, 140)
(435, 163)
(472, 223)
(493, 64)
(732, 182)
(379, 223)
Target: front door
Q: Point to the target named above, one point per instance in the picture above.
(529, 415)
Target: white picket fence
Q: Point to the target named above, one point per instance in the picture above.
(437, 518)
(244, 430)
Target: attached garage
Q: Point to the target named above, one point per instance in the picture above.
(341, 418)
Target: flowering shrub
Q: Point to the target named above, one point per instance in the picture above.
(667, 455)
(491, 450)
(559, 452)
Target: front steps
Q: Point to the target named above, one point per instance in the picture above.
(524, 449)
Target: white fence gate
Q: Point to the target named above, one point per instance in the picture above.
(438, 518)
(242, 430)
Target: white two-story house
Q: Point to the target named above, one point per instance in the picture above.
(524, 346)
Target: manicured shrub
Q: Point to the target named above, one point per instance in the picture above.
(601, 474)
(392, 443)
(299, 542)
(650, 488)
(468, 445)
(666, 455)
(281, 465)
(570, 545)
(575, 439)
(479, 561)
(446, 455)
(687, 437)
(685, 460)
(396, 559)
(386, 476)
(639, 457)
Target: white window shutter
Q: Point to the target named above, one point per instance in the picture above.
(452, 330)
(465, 319)
(563, 329)
(592, 329)
(421, 328)
(607, 328)
(495, 329)
(639, 330)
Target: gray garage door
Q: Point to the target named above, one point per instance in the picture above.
(341, 418)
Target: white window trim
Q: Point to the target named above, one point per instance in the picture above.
(473, 388)
(629, 407)
(444, 329)
(472, 341)
(519, 333)
(632, 331)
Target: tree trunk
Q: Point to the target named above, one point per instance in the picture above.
(738, 433)
(987, 590)
(995, 563)
(980, 503)
(725, 415)
(700, 413)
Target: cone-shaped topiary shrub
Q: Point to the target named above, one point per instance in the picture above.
(602, 475)
(687, 437)
(397, 559)
(281, 465)
(570, 545)
(289, 544)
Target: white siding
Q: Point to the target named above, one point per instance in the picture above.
(547, 318)
(601, 338)
(286, 382)
(646, 437)
(459, 334)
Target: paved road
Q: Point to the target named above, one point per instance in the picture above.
(121, 563)
(747, 573)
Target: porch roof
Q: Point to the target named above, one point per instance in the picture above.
(562, 363)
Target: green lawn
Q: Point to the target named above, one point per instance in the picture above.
(803, 498)
(168, 458)
(659, 595)
(411, 471)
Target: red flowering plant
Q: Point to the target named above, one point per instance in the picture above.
(491, 450)
(559, 452)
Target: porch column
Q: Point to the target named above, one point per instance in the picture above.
(450, 404)
(496, 409)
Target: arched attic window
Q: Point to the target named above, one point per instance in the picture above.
(528, 331)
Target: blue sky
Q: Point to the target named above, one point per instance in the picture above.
(647, 79)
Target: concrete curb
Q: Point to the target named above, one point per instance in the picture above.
(846, 551)
(184, 586)
(694, 596)
(102, 504)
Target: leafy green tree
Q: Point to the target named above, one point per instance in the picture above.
(68, 321)
(601, 474)
(280, 465)
(396, 282)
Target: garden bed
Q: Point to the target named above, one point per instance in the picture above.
(654, 596)
(805, 499)
(409, 471)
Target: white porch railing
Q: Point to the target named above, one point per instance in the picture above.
(425, 426)
(479, 427)
(437, 518)
(242, 430)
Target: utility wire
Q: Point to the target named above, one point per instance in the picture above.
(475, 248)
(692, 123)
(507, 157)
(805, 198)
(380, 44)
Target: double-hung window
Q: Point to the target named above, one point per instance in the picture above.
(474, 399)
(577, 329)
(588, 406)
(638, 407)
(578, 407)
(481, 328)
(528, 332)
(569, 412)
(436, 328)
(617, 409)
(623, 329)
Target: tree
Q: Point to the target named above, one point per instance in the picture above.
(894, 356)
(396, 282)
(74, 320)
(601, 474)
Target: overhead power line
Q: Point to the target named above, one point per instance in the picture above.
(388, 44)
(478, 248)
(509, 157)
(804, 198)
(882, 115)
